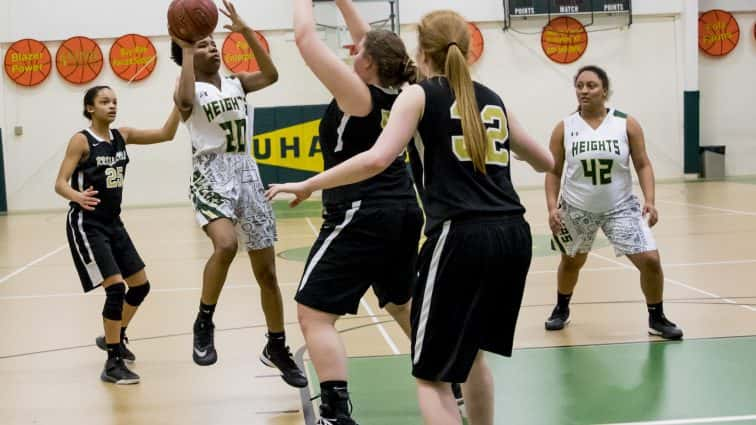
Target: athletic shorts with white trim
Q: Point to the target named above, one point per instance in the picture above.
(471, 278)
(100, 249)
(360, 245)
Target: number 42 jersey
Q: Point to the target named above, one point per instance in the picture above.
(221, 120)
(597, 162)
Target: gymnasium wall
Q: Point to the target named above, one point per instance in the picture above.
(644, 63)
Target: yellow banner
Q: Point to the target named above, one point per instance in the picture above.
(295, 147)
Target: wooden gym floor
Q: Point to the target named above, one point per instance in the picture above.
(603, 368)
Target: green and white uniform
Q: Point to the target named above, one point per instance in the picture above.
(225, 180)
(597, 189)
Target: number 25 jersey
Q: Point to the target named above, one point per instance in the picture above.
(597, 163)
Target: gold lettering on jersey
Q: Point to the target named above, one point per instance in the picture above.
(107, 161)
(582, 146)
(497, 131)
(217, 107)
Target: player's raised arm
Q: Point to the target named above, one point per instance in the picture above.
(135, 136)
(351, 93)
(268, 74)
(183, 97)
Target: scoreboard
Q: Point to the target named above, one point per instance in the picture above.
(524, 8)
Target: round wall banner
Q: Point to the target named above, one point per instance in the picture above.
(718, 32)
(79, 60)
(564, 39)
(28, 62)
(477, 43)
(238, 56)
(133, 57)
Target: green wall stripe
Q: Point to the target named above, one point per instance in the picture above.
(692, 132)
(3, 199)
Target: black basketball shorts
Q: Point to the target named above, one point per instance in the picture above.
(471, 278)
(100, 249)
(362, 244)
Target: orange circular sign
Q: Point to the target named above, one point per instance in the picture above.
(79, 60)
(477, 43)
(133, 57)
(28, 62)
(564, 39)
(718, 32)
(238, 56)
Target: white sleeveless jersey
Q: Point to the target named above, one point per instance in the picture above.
(597, 162)
(221, 121)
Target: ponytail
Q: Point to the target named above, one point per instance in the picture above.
(461, 83)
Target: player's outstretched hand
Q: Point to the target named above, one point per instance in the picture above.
(298, 189)
(87, 199)
(181, 42)
(237, 23)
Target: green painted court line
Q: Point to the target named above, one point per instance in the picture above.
(634, 383)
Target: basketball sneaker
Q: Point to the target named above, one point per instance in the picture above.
(662, 327)
(116, 372)
(281, 358)
(336, 409)
(558, 319)
(123, 350)
(203, 352)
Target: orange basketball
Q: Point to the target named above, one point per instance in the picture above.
(476, 43)
(564, 39)
(237, 55)
(192, 20)
(28, 62)
(718, 32)
(79, 60)
(133, 57)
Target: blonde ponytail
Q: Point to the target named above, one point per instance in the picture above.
(472, 125)
(444, 38)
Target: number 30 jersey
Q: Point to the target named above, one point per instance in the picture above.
(597, 163)
(452, 189)
(221, 121)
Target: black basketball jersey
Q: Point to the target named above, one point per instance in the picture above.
(452, 189)
(343, 136)
(104, 170)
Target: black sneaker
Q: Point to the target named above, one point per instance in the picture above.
(203, 352)
(558, 319)
(123, 350)
(664, 328)
(115, 371)
(281, 358)
(329, 416)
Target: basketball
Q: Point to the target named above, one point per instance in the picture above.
(718, 32)
(192, 20)
(564, 39)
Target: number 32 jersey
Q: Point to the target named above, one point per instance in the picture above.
(597, 162)
(451, 188)
(221, 121)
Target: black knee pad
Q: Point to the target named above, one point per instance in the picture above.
(114, 296)
(137, 294)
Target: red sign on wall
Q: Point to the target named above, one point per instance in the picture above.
(564, 39)
(238, 56)
(79, 60)
(718, 32)
(133, 57)
(28, 62)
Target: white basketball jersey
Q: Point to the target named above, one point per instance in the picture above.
(597, 162)
(221, 121)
